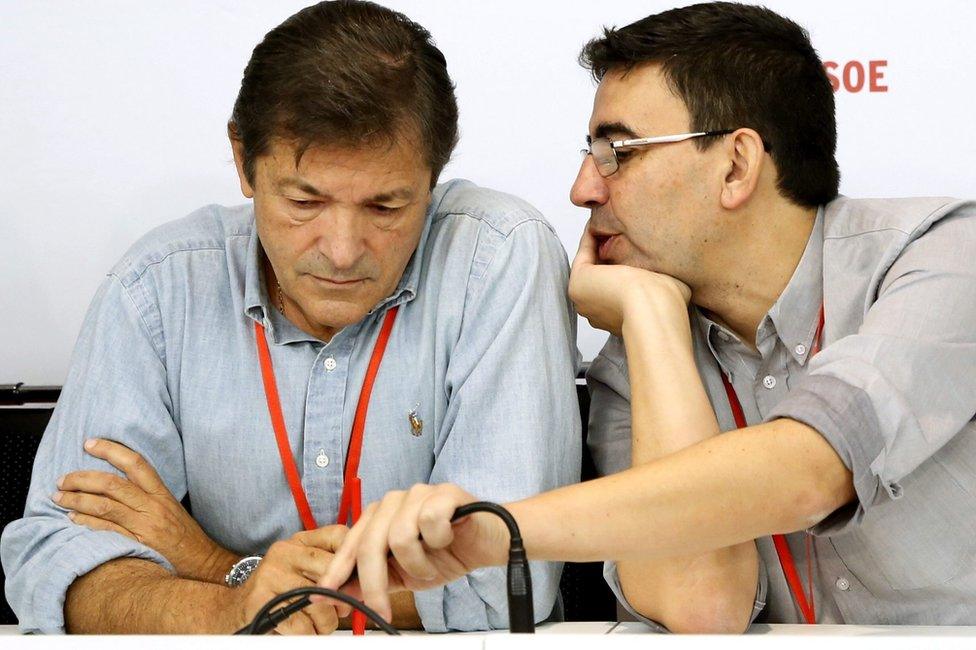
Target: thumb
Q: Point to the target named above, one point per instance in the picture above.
(586, 253)
(327, 538)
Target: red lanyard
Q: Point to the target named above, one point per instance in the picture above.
(779, 541)
(351, 501)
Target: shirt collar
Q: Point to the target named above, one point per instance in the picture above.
(796, 313)
(259, 307)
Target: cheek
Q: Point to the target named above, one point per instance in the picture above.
(283, 241)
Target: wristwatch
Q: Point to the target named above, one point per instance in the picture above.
(242, 570)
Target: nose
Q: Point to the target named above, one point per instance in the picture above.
(590, 189)
(342, 240)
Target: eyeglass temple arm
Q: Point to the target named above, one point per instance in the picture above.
(666, 138)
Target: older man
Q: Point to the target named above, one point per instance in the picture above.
(355, 330)
(797, 443)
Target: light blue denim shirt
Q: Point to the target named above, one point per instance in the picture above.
(483, 350)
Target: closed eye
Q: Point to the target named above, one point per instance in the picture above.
(385, 209)
(303, 204)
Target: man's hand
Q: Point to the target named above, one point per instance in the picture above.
(297, 562)
(428, 550)
(605, 293)
(140, 506)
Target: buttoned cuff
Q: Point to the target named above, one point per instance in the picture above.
(613, 579)
(43, 582)
(844, 415)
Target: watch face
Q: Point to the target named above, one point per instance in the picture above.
(242, 570)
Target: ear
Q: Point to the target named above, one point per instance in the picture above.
(238, 147)
(746, 157)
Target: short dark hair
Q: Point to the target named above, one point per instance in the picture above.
(346, 73)
(737, 66)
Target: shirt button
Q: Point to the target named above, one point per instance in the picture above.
(843, 584)
(800, 349)
(330, 364)
(769, 382)
(322, 460)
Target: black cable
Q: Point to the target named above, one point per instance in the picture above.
(266, 620)
(521, 617)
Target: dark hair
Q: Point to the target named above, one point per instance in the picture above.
(346, 73)
(739, 66)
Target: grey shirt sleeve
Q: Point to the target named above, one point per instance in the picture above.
(512, 428)
(892, 394)
(608, 437)
(115, 389)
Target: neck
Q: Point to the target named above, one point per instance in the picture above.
(290, 310)
(744, 280)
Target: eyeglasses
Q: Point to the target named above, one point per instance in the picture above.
(604, 150)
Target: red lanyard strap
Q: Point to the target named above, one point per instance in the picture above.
(351, 501)
(281, 435)
(779, 541)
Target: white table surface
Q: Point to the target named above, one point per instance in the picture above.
(557, 636)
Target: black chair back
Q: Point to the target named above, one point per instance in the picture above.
(20, 434)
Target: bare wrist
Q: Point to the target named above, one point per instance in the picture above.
(216, 565)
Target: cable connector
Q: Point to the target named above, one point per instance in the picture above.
(521, 613)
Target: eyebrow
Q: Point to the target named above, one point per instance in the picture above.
(606, 129)
(400, 193)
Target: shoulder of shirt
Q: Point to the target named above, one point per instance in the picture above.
(495, 210)
(845, 217)
(211, 228)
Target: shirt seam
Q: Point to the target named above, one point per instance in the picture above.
(157, 262)
(160, 353)
(524, 220)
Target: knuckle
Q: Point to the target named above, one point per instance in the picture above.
(274, 550)
(394, 496)
(418, 489)
(138, 463)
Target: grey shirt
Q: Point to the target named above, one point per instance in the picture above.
(483, 351)
(893, 391)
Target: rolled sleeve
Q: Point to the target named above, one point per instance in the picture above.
(512, 427)
(895, 392)
(47, 554)
(116, 389)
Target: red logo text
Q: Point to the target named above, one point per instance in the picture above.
(857, 76)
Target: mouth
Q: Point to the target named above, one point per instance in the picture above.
(336, 282)
(604, 244)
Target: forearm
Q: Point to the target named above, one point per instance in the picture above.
(734, 487)
(712, 591)
(669, 407)
(129, 596)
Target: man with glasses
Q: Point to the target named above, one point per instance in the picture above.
(785, 406)
(357, 329)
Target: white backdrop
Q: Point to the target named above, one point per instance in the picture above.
(112, 120)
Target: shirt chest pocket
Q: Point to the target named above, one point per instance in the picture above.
(924, 539)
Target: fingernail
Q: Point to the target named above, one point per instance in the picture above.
(56, 497)
(71, 515)
(60, 482)
(90, 444)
